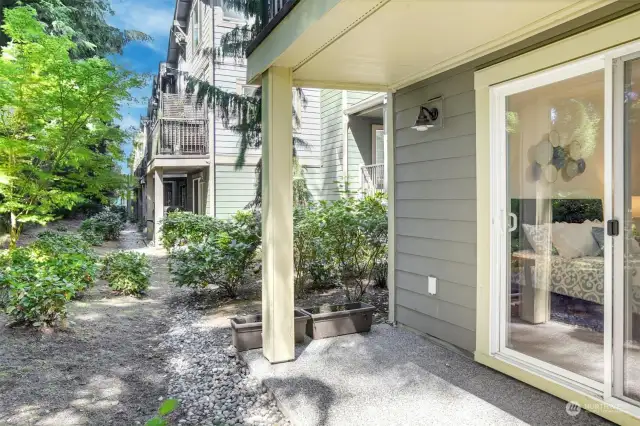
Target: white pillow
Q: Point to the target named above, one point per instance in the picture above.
(539, 237)
(575, 239)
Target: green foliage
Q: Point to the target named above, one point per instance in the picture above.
(37, 281)
(68, 256)
(224, 258)
(127, 272)
(91, 237)
(354, 239)
(380, 273)
(105, 224)
(180, 228)
(58, 146)
(120, 211)
(309, 254)
(167, 407)
(85, 22)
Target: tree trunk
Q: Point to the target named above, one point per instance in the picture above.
(16, 228)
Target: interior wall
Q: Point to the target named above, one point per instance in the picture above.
(539, 112)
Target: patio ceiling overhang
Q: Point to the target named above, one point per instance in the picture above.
(388, 44)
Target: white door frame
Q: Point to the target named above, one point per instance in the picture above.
(196, 194)
(611, 62)
(374, 154)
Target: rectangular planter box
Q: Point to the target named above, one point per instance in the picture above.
(246, 331)
(336, 320)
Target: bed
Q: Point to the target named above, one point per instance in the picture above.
(580, 277)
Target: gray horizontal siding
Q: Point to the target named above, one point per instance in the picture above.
(436, 212)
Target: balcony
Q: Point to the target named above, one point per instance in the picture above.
(372, 179)
(179, 136)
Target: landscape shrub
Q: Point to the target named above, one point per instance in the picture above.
(180, 228)
(380, 273)
(354, 240)
(67, 256)
(126, 272)
(121, 211)
(309, 255)
(91, 237)
(38, 280)
(107, 224)
(224, 258)
(32, 294)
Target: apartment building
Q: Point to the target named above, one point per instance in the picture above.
(186, 158)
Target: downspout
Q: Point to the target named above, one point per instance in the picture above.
(212, 120)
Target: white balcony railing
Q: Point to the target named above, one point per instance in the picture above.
(372, 178)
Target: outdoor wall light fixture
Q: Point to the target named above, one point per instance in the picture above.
(429, 116)
(426, 118)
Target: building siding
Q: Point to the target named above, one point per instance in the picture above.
(436, 212)
(331, 107)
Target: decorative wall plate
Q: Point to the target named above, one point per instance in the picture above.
(544, 153)
(550, 173)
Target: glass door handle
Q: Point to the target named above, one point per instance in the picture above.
(513, 222)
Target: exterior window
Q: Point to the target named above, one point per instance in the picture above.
(195, 24)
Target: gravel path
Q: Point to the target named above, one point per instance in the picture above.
(211, 382)
(122, 356)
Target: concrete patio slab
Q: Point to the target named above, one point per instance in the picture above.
(392, 376)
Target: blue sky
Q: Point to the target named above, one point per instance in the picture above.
(153, 17)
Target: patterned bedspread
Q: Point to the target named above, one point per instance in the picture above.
(581, 277)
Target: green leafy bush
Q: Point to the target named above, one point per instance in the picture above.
(180, 228)
(38, 280)
(354, 239)
(107, 224)
(91, 237)
(67, 256)
(309, 254)
(121, 211)
(224, 258)
(127, 272)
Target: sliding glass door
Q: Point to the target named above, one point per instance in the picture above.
(554, 202)
(565, 243)
(624, 230)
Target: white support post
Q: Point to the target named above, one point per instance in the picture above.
(149, 209)
(277, 216)
(158, 204)
(389, 184)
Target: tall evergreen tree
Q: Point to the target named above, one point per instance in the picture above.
(241, 113)
(84, 21)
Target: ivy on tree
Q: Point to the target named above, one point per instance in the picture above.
(58, 146)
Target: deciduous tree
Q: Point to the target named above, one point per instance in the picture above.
(58, 146)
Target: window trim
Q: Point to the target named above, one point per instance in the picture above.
(196, 27)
